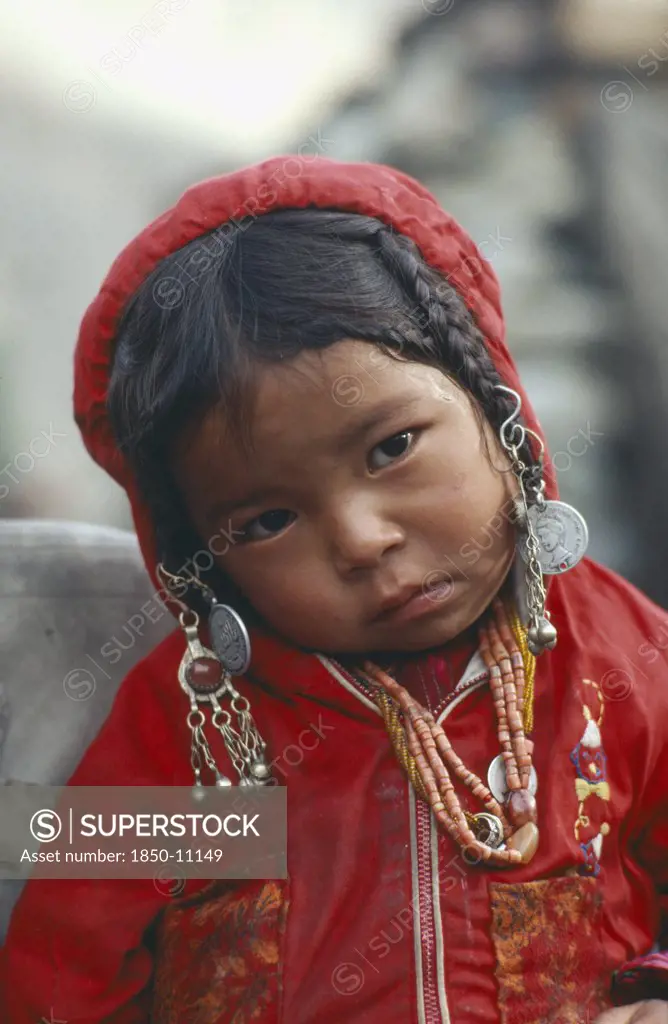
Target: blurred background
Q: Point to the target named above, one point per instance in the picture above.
(541, 125)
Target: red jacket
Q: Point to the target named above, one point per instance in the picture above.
(382, 919)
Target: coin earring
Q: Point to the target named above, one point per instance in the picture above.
(206, 677)
(553, 535)
(229, 635)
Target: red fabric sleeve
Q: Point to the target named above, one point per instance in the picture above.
(646, 977)
(76, 949)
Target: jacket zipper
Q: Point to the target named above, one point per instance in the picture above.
(432, 1014)
(432, 1001)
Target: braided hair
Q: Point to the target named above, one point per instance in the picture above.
(290, 280)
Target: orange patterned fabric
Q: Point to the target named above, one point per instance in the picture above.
(218, 956)
(550, 963)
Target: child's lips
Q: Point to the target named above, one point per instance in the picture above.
(414, 603)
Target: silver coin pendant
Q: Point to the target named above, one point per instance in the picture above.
(497, 783)
(562, 536)
(230, 640)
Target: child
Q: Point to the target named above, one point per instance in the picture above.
(299, 375)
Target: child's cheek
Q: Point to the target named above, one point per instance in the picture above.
(272, 576)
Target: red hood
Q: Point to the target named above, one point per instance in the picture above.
(369, 189)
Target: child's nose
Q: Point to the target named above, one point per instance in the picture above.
(360, 537)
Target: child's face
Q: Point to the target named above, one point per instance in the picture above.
(367, 481)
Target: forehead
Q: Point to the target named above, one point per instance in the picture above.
(312, 407)
(332, 390)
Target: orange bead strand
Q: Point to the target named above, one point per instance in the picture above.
(428, 753)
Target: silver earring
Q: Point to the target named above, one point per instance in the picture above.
(553, 536)
(229, 637)
(206, 679)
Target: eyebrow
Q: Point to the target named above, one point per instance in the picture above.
(347, 438)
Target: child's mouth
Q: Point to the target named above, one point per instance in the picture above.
(415, 602)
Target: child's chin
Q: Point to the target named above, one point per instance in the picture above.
(433, 632)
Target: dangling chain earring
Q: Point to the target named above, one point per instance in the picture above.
(206, 678)
(553, 534)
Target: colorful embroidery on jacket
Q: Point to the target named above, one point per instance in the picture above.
(551, 968)
(592, 788)
(218, 956)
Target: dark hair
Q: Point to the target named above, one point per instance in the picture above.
(292, 280)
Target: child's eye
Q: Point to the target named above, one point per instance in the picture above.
(268, 524)
(391, 449)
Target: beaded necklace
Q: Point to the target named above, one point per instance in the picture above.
(506, 832)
